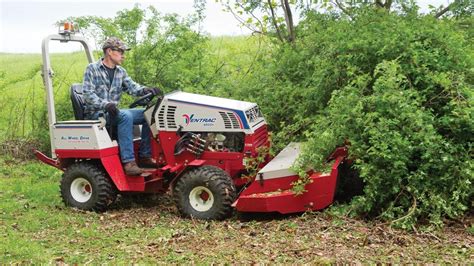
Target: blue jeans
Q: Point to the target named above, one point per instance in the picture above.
(124, 121)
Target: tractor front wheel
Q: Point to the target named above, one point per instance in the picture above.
(85, 186)
(205, 192)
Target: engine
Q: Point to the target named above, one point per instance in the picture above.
(197, 143)
(224, 141)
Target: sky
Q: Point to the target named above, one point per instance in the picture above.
(24, 23)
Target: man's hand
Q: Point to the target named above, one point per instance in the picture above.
(154, 91)
(112, 109)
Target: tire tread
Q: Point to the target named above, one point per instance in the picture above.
(221, 181)
(106, 189)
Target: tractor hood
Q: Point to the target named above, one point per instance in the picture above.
(191, 98)
(201, 113)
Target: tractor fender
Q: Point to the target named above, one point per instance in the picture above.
(110, 160)
(179, 169)
(113, 167)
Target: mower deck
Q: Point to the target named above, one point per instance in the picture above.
(272, 189)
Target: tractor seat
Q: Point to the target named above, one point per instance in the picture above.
(77, 99)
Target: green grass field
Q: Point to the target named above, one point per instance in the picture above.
(22, 93)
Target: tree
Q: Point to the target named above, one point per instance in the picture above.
(166, 50)
(275, 18)
(458, 8)
(265, 17)
(125, 25)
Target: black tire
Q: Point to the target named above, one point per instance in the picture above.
(86, 186)
(211, 181)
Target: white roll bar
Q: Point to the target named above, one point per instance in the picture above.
(47, 74)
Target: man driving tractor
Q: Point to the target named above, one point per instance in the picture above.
(103, 85)
(204, 142)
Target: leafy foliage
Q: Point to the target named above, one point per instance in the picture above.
(171, 54)
(400, 90)
(167, 51)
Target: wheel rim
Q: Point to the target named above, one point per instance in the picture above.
(81, 189)
(201, 199)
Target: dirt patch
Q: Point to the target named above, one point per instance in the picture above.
(310, 237)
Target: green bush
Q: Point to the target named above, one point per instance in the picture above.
(399, 88)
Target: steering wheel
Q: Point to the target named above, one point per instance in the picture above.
(146, 100)
(142, 101)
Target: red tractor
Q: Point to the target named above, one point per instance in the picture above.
(204, 145)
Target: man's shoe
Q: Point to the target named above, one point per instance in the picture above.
(131, 168)
(147, 162)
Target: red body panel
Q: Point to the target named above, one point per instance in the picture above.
(163, 152)
(86, 153)
(114, 168)
(231, 162)
(111, 161)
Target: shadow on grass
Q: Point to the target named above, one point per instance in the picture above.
(265, 216)
(140, 200)
(164, 203)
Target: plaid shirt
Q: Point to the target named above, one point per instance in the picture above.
(98, 91)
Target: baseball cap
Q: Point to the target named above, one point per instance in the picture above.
(115, 43)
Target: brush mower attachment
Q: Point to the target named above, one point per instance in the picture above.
(271, 191)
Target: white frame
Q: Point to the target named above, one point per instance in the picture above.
(47, 74)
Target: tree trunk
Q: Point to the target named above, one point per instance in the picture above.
(289, 20)
(274, 21)
(387, 5)
(444, 10)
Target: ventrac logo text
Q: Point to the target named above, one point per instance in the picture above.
(205, 121)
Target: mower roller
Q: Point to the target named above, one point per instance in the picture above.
(204, 145)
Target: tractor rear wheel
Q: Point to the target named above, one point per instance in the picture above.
(85, 186)
(206, 192)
